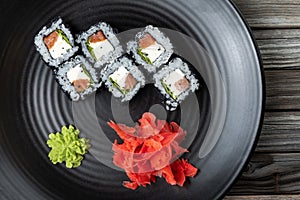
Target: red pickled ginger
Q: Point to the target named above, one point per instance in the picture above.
(151, 149)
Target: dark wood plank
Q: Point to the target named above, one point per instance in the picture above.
(280, 133)
(270, 174)
(283, 89)
(280, 48)
(271, 13)
(277, 172)
(263, 197)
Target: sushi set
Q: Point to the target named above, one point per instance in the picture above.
(97, 58)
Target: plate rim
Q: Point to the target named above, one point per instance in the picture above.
(246, 161)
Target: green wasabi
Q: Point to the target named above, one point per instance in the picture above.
(67, 147)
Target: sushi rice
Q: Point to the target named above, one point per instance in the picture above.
(49, 57)
(173, 65)
(119, 65)
(114, 43)
(161, 40)
(63, 77)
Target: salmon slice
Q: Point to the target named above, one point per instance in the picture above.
(130, 82)
(81, 84)
(182, 85)
(97, 37)
(146, 41)
(50, 39)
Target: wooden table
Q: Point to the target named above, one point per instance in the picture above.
(274, 169)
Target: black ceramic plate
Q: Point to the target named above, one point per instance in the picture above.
(32, 104)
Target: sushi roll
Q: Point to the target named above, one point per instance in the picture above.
(77, 78)
(100, 45)
(151, 48)
(123, 78)
(55, 44)
(175, 81)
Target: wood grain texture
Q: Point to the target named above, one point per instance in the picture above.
(280, 133)
(270, 13)
(279, 48)
(264, 197)
(282, 89)
(270, 174)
